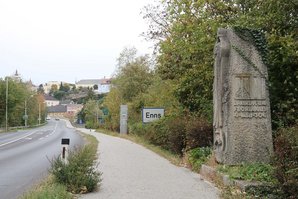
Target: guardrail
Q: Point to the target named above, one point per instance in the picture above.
(2, 129)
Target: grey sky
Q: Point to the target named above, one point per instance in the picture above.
(68, 40)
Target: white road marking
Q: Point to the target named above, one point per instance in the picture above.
(12, 141)
(26, 136)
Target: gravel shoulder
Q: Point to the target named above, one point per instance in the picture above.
(131, 171)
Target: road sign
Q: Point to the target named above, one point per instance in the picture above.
(65, 141)
(152, 114)
(25, 117)
(64, 155)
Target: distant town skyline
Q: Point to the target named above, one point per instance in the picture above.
(82, 40)
(24, 79)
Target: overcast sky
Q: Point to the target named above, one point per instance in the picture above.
(68, 40)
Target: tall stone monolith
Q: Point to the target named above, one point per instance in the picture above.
(241, 120)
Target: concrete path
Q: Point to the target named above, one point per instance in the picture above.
(131, 171)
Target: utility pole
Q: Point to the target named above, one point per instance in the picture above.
(26, 116)
(6, 111)
(39, 118)
(97, 113)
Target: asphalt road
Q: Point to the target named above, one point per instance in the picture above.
(25, 155)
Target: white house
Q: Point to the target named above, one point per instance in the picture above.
(51, 101)
(87, 83)
(103, 85)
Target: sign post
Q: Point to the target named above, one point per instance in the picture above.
(123, 119)
(65, 143)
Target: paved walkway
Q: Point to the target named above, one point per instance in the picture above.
(131, 171)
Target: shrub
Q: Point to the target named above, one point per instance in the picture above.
(137, 128)
(157, 133)
(198, 132)
(286, 160)
(79, 175)
(198, 156)
(176, 135)
(250, 172)
(169, 133)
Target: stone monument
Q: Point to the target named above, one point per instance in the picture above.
(241, 119)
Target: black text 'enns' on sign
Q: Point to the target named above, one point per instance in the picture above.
(152, 114)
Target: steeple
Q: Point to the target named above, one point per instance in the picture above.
(16, 76)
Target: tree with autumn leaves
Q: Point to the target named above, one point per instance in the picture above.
(185, 33)
(20, 97)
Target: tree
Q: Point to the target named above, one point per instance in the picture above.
(59, 95)
(112, 102)
(185, 32)
(66, 87)
(40, 89)
(95, 87)
(134, 75)
(20, 97)
(92, 114)
(53, 89)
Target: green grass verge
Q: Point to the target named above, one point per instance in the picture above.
(48, 189)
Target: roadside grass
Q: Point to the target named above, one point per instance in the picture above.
(198, 156)
(49, 188)
(249, 172)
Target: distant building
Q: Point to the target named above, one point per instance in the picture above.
(51, 101)
(87, 83)
(74, 109)
(47, 86)
(101, 85)
(57, 111)
(16, 77)
(104, 86)
(69, 110)
(66, 102)
(32, 87)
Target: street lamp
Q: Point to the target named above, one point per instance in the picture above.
(25, 117)
(39, 118)
(6, 109)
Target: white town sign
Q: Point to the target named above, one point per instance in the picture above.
(152, 114)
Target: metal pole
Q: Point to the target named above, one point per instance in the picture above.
(39, 114)
(25, 113)
(6, 109)
(97, 113)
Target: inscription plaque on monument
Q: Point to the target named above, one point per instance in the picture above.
(241, 120)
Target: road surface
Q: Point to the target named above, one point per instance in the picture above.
(25, 154)
(131, 171)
